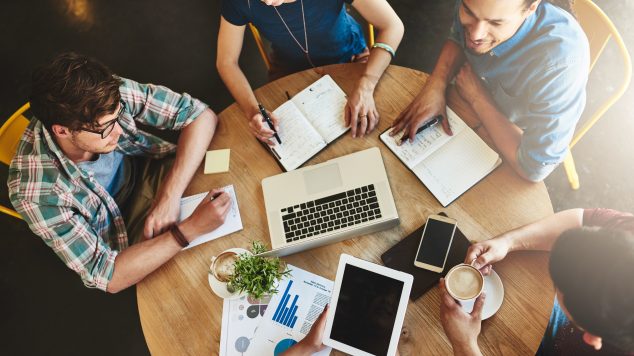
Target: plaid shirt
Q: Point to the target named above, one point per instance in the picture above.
(66, 206)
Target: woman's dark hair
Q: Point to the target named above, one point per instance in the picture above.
(73, 90)
(564, 4)
(594, 269)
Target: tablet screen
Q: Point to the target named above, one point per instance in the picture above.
(366, 310)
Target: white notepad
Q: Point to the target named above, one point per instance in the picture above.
(233, 221)
(309, 122)
(447, 165)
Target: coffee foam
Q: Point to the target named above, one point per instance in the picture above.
(464, 282)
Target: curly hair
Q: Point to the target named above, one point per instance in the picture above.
(73, 90)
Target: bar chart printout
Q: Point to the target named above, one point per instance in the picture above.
(291, 312)
(285, 314)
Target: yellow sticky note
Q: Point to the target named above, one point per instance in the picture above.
(217, 161)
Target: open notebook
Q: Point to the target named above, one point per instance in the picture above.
(309, 122)
(447, 165)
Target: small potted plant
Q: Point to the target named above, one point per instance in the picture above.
(248, 273)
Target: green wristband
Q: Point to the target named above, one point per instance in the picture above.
(385, 47)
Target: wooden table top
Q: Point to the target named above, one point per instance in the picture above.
(180, 315)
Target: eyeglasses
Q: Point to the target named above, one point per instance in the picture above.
(108, 126)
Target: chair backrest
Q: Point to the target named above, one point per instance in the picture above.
(599, 29)
(260, 43)
(11, 132)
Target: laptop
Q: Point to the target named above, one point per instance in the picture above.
(328, 202)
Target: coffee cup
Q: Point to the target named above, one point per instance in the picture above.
(464, 282)
(222, 265)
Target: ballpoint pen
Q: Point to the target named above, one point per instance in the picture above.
(269, 122)
(436, 119)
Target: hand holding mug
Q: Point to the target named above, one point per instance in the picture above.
(485, 253)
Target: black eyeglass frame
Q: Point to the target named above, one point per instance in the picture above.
(109, 126)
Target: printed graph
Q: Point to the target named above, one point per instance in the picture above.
(285, 314)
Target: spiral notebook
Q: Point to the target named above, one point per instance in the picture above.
(447, 165)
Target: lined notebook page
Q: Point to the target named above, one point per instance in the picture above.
(300, 140)
(425, 143)
(455, 167)
(323, 104)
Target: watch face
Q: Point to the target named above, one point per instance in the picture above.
(223, 266)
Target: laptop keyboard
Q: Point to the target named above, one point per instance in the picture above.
(330, 213)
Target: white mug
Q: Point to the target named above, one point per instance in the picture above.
(464, 282)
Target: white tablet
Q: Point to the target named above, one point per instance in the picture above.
(367, 308)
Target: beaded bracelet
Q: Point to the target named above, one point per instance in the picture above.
(385, 47)
(178, 235)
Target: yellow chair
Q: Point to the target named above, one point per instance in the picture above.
(260, 43)
(599, 29)
(10, 134)
(265, 56)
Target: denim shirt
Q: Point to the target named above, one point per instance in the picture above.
(538, 81)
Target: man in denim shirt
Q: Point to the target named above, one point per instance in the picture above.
(522, 66)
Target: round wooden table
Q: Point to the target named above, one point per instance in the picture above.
(181, 316)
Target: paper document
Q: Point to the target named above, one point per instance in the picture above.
(217, 161)
(232, 223)
(300, 299)
(240, 318)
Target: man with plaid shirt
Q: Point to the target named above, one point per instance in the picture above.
(96, 188)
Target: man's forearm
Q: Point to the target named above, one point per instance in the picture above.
(192, 146)
(450, 59)
(239, 87)
(505, 135)
(542, 234)
(137, 261)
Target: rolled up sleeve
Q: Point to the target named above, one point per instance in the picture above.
(158, 106)
(70, 236)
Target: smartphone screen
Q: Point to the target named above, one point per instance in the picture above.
(435, 242)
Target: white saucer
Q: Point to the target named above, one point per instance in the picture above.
(220, 288)
(494, 296)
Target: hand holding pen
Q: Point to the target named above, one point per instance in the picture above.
(264, 125)
(435, 120)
